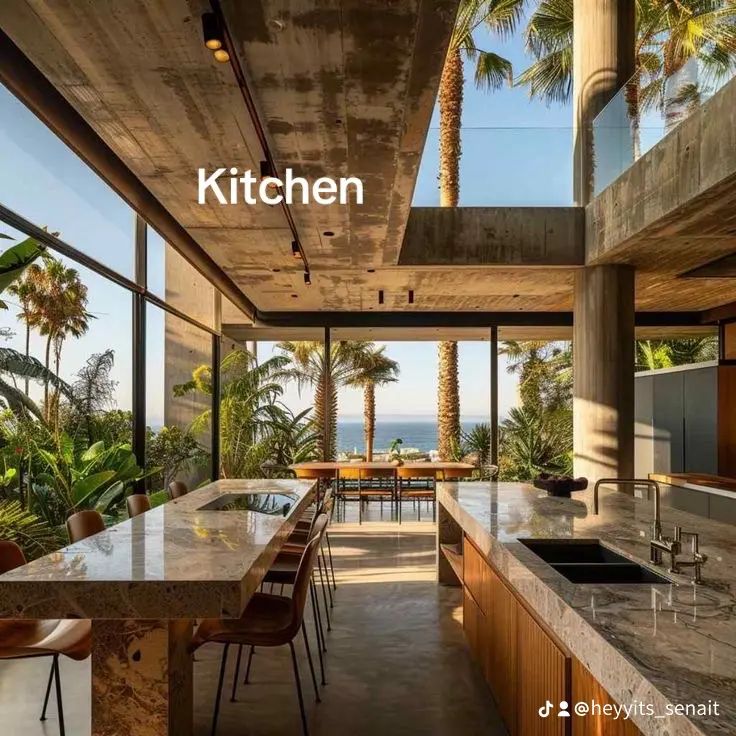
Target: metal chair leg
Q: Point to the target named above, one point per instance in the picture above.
(332, 564)
(327, 575)
(48, 687)
(59, 703)
(252, 651)
(305, 728)
(311, 663)
(317, 633)
(324, 593)
(237, 673)
(216, 714)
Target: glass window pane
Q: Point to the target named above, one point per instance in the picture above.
(178, 399)
(48, 184)
(173, 279)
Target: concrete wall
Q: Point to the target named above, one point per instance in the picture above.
(676, 420)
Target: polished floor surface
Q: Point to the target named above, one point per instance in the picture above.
(396, 662)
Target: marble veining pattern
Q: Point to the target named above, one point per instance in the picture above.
(173, 562)
(666, 643)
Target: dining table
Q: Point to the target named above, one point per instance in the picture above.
(334, 466)
(144, 581)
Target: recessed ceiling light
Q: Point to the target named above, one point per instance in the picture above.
(371, 270)
(411, 296)
(328, 233)
(380, 296)
(276, 270)
(295, 296)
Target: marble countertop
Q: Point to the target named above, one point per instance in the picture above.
(657, 644)
(175, 561)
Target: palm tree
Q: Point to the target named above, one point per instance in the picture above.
(60, 311)
(670, 33)
(491, 72)
(351, 361)
(655, 354)
(378, 369)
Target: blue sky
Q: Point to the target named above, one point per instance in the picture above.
(515, 152)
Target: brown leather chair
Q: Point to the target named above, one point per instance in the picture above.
(84, 524)
(26, 639)
(268, 621)
(138, 503)
(417, 494)
(362, 493)
(177, 489)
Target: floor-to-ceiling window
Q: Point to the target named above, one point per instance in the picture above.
(71, 398)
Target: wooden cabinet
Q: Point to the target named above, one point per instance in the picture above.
(501, 658)
(543, 675)
(586, 688)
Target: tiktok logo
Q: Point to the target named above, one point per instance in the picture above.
(546, 710)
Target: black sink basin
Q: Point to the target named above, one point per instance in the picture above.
(588, 561)
(572, 550)
(609, 573)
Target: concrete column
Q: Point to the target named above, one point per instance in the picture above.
(603, 60)
(603, 350)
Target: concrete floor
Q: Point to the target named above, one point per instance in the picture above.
(396, 662)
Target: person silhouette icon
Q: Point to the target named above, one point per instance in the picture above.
(564, 713)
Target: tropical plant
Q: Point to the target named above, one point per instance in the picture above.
(534, 442)
(655, 354)
(169, 452)
(491, 72)
(97, 477)
(477, 442)
(15, 260)
(352, 362)
(394, 449)
(379, 370)
(32, 534)
(292, 439)
(60, 311)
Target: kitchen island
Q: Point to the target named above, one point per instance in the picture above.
(539, 637)
(144, 581)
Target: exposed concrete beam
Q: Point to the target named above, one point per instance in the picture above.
(679, 196)
(521, 236)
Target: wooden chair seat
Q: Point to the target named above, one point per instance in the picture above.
(24, 638)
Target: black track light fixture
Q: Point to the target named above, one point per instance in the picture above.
(307, 278)
(213, 37)
(295, 251)
(411, 296)
(380, 296)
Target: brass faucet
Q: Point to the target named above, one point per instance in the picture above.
(698, 558)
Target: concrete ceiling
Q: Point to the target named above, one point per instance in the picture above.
(343, 87)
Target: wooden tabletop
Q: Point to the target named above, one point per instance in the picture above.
(336, 465)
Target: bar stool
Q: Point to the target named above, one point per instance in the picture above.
(84, 524)
(138, 503)
(268, 621)
(177, 489)
(418, 494)
(26, 639)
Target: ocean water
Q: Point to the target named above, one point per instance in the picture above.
(421, 435)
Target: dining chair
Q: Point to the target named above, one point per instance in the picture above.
(30, 639)
(367, 492)
(323, 476)
(138, 503)
(84, 524)
(417, 494)
(177, 489)
(268, 621)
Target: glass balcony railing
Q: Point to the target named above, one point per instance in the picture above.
(642, 113)
(504, 167)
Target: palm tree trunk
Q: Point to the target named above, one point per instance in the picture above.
(369, 418)
(451, 104)
(325, 417)
(57, 365)
(46, 380)
(28, 349)
(448, 404)
(451, 107)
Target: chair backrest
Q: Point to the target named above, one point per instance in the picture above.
(304, 571)
(379, 473)
(138, 503)
(177, 489)
(84, 524)
(11, 556)
(405, 472)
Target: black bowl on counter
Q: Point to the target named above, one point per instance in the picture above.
(560, 485)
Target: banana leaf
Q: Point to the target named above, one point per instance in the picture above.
(110, 497)
(26, 366)
(16, 259)
(84, 488)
